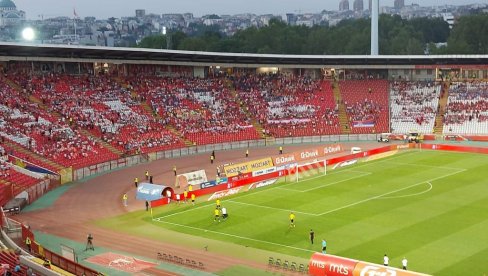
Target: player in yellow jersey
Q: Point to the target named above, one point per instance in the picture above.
(217, 214)
(185, 196)
(193, 199)
(292, 219)
(217, 203)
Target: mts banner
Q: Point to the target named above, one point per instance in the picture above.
(330, 265)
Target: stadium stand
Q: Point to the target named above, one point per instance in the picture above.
(366, 105)
(27, 124)
(7, 173)
(467, 109)
(288, 106)
(413, 106)
(202, 110)
(80, 120)
(9, 257)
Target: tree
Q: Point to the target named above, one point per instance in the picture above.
(397, 36)
(469, 35)
(154, 42)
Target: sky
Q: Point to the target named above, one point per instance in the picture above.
(118, 8)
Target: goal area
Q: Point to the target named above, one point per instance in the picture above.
(308, 170)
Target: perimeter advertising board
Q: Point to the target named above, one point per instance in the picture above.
(248, 167)
(322, 264)
(330, 265)
(318, 152)
(191, 178)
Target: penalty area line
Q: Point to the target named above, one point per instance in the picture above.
(272, 208)
(409, 195)
(184, 211)
(388, 193)
(336, 182)
(234, 236)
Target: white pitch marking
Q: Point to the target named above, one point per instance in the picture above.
(236, 236)
(293, 183)
(334, 172)
(388, 193)
(416, 194)
(187, 210)
(333, 183)
(273, 208)
(427, 166)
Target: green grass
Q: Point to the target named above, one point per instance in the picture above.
(428, 206)
(243, 270)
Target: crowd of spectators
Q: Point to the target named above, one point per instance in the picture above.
(4, 169)
(367, 105)
(203, 110)
(66, 118)
(287, 105)
(102, 106)
(467, 109)
(413, 106)
(26, 123)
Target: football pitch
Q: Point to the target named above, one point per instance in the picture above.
(428, 206)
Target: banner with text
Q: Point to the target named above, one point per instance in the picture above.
(248, 167)
(330, 265)
(191, 178)
(318, 152)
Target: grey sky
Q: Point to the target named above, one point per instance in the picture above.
(118, 8)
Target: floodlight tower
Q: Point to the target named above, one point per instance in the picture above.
(374, 27)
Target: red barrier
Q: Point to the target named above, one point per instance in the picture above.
(454, 148)
(317, 152)
(483, 138)
(339, 159)
(429, 137)
(322, 264)
(367, 269)
(197, 193)
(330, 265)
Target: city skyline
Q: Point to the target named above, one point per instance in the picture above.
(35, 9)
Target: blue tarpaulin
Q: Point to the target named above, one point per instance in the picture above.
(149, 192)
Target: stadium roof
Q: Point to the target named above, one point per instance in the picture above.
(73, 53)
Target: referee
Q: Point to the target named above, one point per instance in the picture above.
(312, 235)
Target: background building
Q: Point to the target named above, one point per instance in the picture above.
(358, 5)
(344, 5)
(399, 4)
(9, 15)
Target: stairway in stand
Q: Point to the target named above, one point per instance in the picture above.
(345, 129)
(257, 125)
(439, 122)
(101, 142)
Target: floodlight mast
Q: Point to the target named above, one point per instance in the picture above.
(374, 27)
